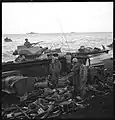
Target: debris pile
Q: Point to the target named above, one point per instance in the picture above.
(45, 101)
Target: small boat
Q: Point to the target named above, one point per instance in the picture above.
(31, 33)
(7, 39)
(106, 59)
(111, 45)
(29, 54)
(91, 51)
(23, 50)
(33, 52)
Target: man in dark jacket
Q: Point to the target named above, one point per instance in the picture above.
(27, 43)
(68, 61)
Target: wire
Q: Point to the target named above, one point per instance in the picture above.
(64, 35)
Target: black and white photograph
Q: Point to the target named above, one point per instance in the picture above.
(57, 60)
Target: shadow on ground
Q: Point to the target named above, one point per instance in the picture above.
(100, 107)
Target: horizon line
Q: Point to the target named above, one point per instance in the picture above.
(56, 33)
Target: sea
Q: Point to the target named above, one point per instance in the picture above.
(69, 42)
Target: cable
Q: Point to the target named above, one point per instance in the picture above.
(64, 35)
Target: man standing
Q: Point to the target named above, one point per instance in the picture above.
(55, 68)
(68, 60)
(76, 79)
(83, 80)
(80, 78)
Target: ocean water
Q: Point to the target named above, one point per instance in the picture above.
(67, 41)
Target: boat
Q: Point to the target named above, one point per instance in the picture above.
(32, 33)
(7, 39)
(105, 59)
(23, 50)
(91, 51)
(32, 68)
(33, 53)
(111, 45)
(29, 54)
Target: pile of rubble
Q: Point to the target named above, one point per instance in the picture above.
(47, 102)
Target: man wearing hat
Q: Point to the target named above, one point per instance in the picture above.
(27, 43)
(55, 68)
(76, 80)
(80, 78)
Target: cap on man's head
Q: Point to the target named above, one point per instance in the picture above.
(26, 39)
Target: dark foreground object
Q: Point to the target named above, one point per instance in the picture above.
(100, 107)
(33, 68)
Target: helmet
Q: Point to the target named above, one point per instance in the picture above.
(74, 60)
(54, 58)
(26, 39)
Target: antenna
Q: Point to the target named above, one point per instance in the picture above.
(64, 35)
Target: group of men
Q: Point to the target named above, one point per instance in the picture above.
(73, 65)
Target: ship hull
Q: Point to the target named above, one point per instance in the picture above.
(33, 68)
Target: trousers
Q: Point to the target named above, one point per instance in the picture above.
(54, 78)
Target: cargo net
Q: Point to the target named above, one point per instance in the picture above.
(45, 101)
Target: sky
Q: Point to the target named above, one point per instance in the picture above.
(57, 17)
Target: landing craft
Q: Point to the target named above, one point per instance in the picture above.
(105, 59)
(111, 45)
(7, 39)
